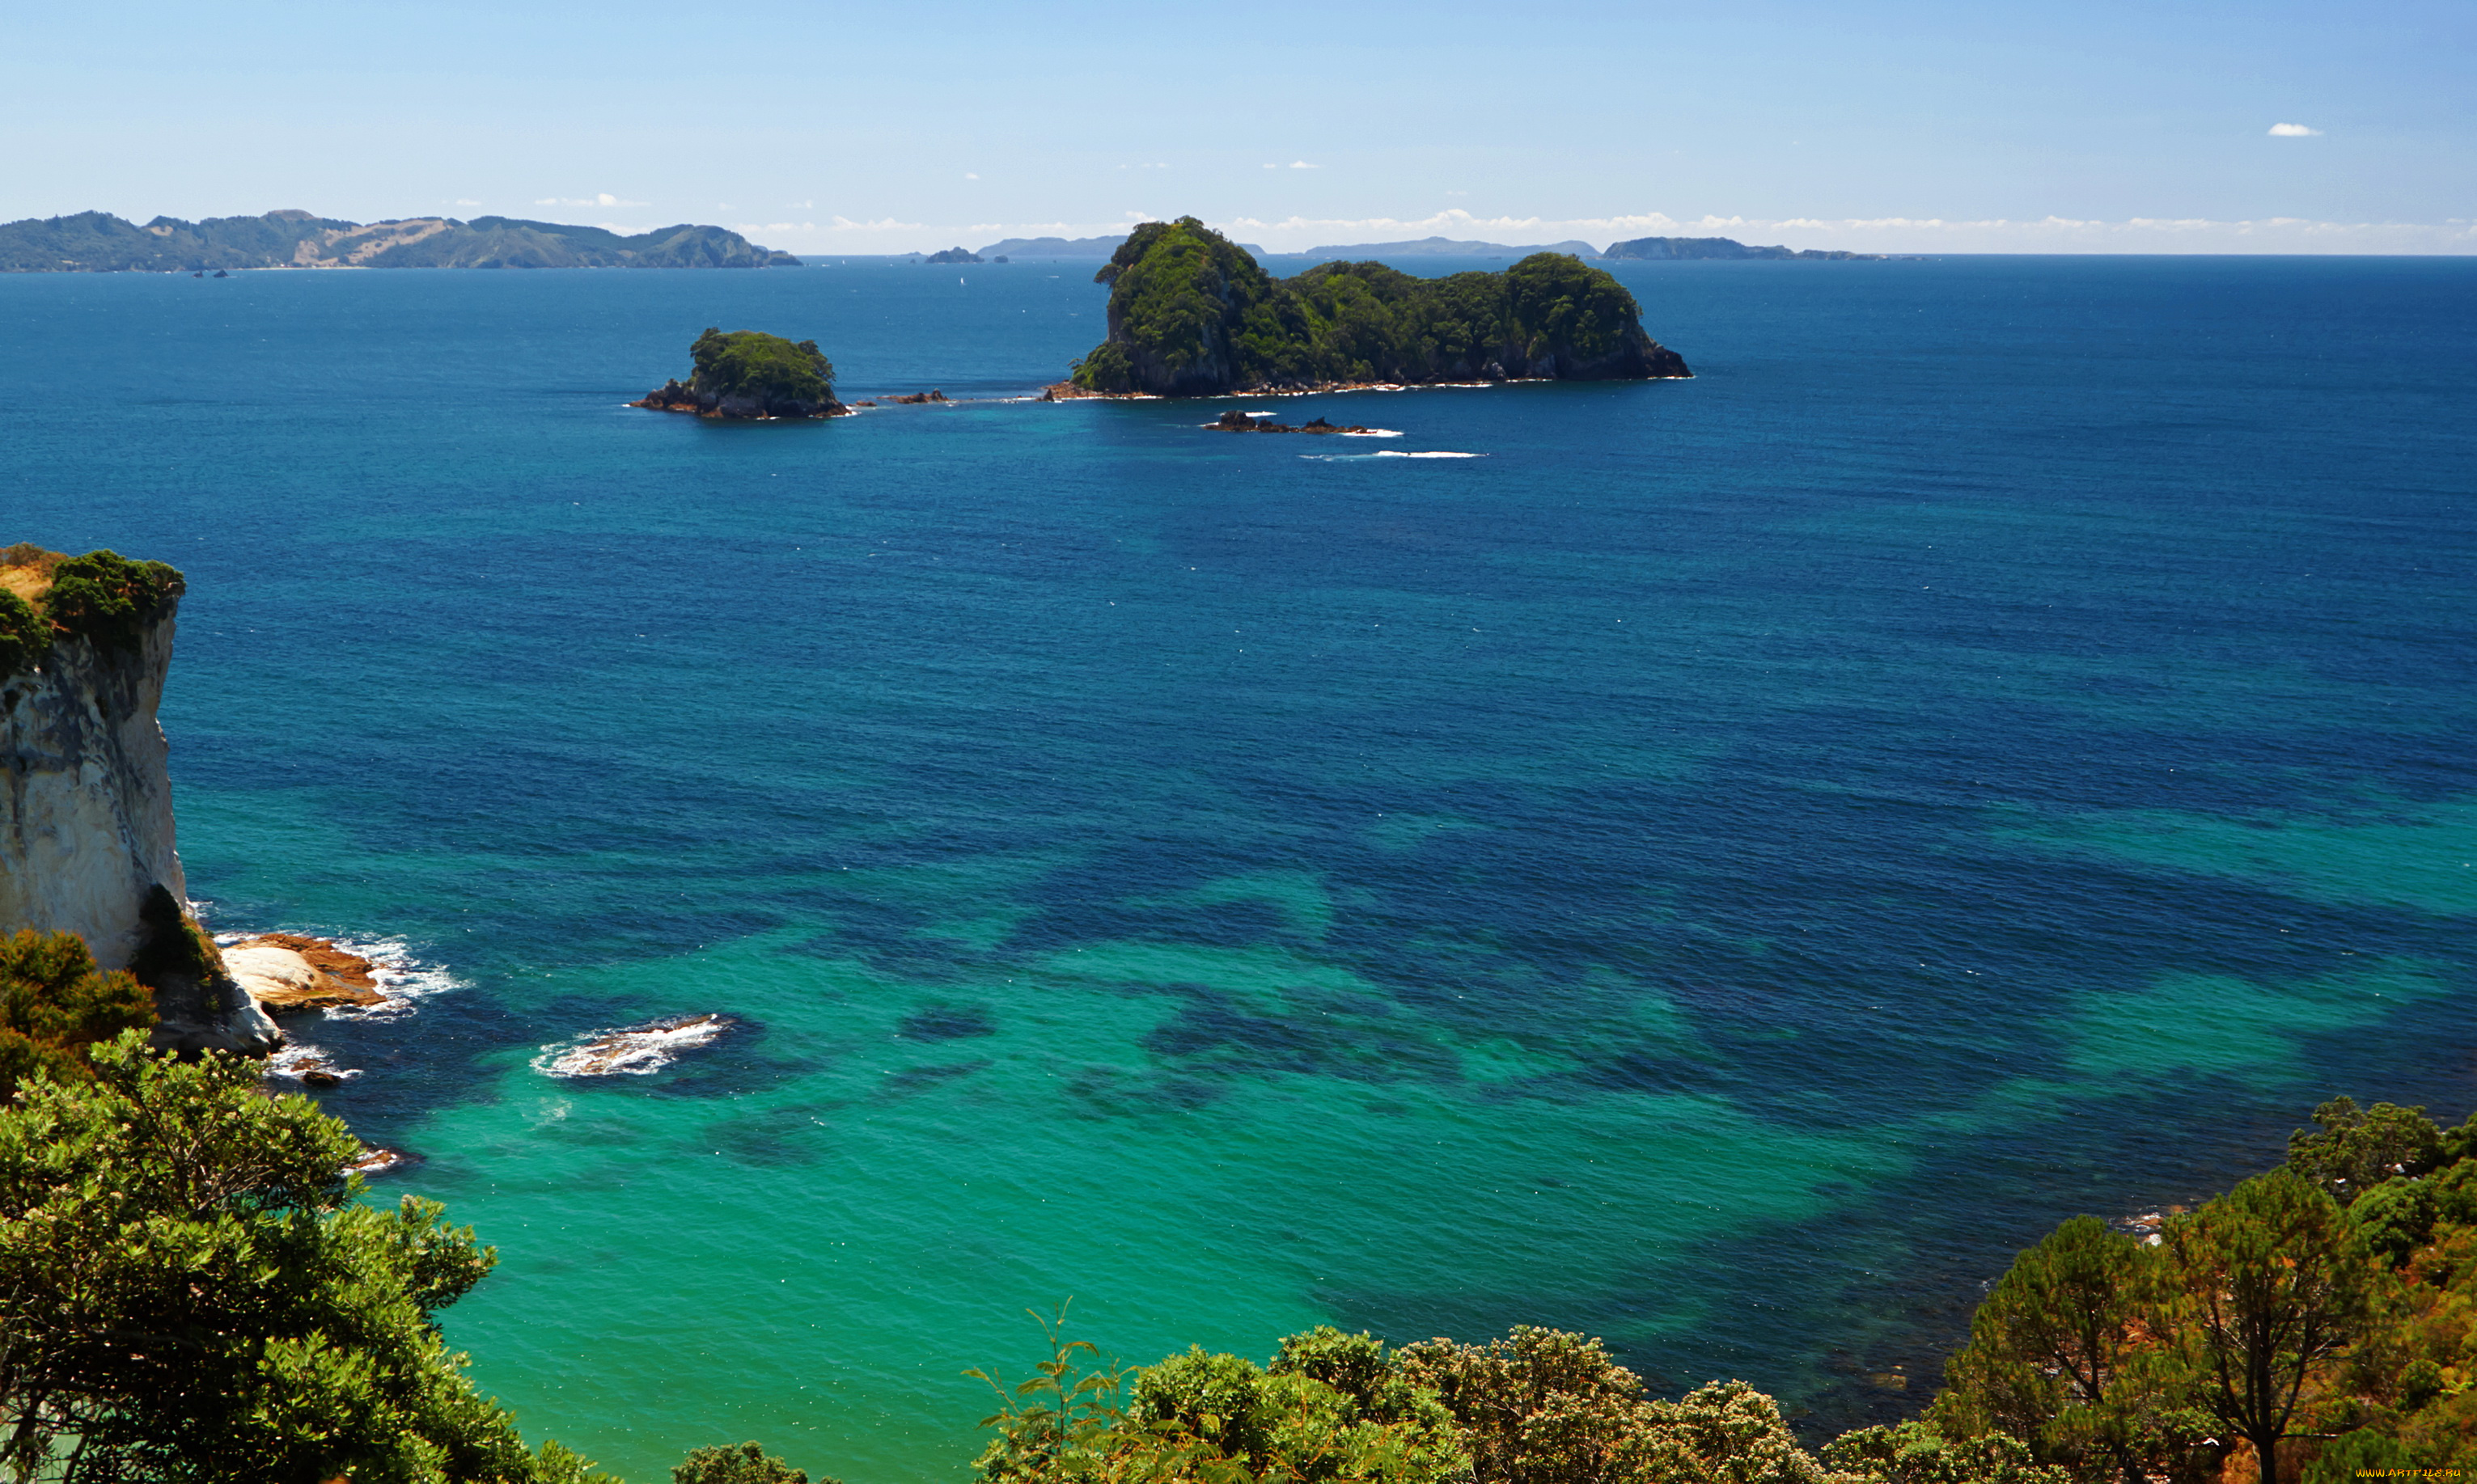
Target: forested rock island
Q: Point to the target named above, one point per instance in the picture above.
(99, 242)
(1191, 314)
(750, 375)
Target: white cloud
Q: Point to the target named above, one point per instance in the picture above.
(2292, 130)
(604, 198)
(462, 201)
(970, 176)
(1301, 165)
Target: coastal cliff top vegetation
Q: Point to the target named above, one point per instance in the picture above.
(102, 596)
(1192, 313)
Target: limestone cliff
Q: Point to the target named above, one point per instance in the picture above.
(86, 796)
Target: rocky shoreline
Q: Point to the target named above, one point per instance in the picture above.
(675, 396)
(287, 973)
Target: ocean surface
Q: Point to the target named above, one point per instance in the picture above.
(1721, 864)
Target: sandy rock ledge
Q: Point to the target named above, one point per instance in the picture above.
(287, 972)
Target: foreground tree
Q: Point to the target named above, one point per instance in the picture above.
(55, 1003)
(2268, 1286)
(190, 1290)
(746, 1464)
(2055, 1354)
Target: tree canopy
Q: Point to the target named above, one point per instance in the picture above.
(752, 364)
(55, 1006)
(191, 1289)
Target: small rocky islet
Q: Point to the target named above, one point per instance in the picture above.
(750, 376)
(1235, 421)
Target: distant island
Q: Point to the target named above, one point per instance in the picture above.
(955, 255)
(1193, 315)
(1442, 247)
(1071, 247)
(99, 242)
(748, 375)
(1448, 247)
(1725, 247)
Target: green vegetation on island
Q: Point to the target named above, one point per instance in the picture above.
(102, 596)
(750, 374)
(99, 242)
(1193, 315)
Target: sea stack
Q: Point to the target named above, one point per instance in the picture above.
(752, 376)
(1193, 315)
(86, 795)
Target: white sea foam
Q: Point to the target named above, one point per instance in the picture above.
(401, 976)
(632, 1050)
(1375, 432)
(294, 1059)
(1387, 453)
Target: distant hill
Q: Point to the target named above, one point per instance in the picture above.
(1725, 247)
(1073, 247)
(1055, 247)
(1447, 247)
(99, 242)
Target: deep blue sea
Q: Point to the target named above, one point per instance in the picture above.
(1721, 865)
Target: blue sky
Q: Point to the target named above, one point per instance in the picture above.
(891, 127)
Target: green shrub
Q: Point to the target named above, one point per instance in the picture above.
(746, 1464)
(1191, 312)
(25, 639)
(110, 600)
(290, 1328)
(55, 1003)
(1218, 1419)
(176, 951)
(1915, 1452)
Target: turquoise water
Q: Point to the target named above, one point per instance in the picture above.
(1721, 867)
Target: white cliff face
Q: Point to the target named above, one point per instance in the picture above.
(86, 822)
(86, 803)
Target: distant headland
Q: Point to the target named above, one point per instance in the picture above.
(1725, 248)
(99, 242)
(1193, 315)
(1637, 249)
(1449, 247)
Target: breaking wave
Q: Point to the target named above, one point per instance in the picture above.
(632, 1051)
